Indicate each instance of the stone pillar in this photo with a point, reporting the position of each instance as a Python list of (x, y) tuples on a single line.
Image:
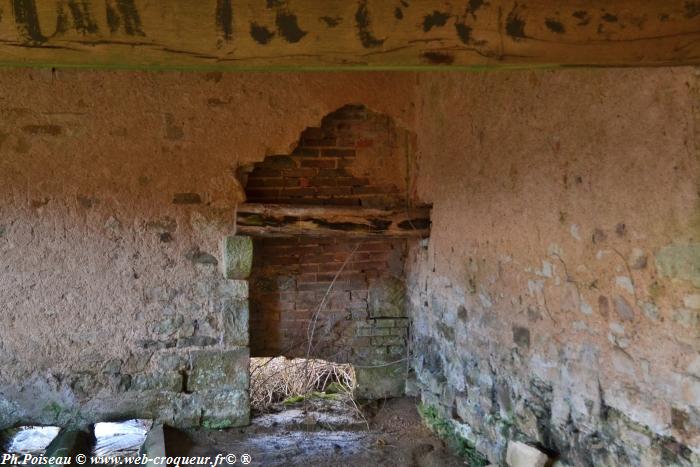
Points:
[(380, 370), (202, 378), (236, 256), (222, 376)]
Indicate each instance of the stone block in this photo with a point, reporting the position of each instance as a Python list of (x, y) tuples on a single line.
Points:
[(154, 445), (521, 455), (234, 289), (187, 329), (197, 341), (237, 256), (623, 308), (401, 332), (171, 360), (67, 444), (219, 369), (225, 409), (692, 301), (9, 413), (385, 323), (169, 325), (387, 298), (680, 261), (163, 381), (387, 340), (182, 411), (116, 382), (379, 382), (687, 318), (234, 316), (527, 421)]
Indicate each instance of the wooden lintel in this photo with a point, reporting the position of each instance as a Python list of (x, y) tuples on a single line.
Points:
[(340, 34), (268, 220)]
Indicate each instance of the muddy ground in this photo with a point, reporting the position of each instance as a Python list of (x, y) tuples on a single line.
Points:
[(325, 433)]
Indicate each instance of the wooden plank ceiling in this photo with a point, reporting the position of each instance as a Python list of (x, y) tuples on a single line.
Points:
[(348, 34)]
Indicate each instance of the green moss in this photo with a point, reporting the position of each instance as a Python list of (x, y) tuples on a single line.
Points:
[(502, 424), (324, 395), (293, 400), (445, 430), (312, 395), (55, 411), (336, 388)]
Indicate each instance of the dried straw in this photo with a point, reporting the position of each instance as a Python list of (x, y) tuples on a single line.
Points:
[(274, 380)]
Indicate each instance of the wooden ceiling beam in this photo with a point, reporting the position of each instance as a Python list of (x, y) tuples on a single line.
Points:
[(277, 220), (232, 35)]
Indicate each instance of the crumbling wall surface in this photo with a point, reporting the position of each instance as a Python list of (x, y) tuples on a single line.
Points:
[(116, 190), (335, 297), (557, 301)]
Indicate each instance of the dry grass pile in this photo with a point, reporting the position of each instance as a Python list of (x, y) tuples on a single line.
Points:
[(274, 380)]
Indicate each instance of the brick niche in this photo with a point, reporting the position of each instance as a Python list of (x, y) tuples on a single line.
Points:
[(355, 158)]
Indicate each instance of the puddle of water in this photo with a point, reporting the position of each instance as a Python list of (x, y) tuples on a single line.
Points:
[(28, 439), (294, 417), (120, 438), (320, 444), (328, 413)]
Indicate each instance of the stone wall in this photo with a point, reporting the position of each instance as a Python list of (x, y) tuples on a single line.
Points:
[(362, 319), (116, 191), (556, 302), (290, 279)]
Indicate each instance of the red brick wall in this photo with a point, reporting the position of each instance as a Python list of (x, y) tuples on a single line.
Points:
[(290, 278), (355, 158)]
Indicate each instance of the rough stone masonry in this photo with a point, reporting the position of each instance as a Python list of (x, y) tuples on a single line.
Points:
[(555, 303)]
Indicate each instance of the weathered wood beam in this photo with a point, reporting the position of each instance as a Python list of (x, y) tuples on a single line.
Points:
[(341, 34), (270, 220)]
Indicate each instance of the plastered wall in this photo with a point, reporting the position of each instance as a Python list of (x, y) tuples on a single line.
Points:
[(116, 190), (556, 301)]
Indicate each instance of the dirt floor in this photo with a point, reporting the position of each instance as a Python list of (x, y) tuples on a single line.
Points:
[(325, 433)]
